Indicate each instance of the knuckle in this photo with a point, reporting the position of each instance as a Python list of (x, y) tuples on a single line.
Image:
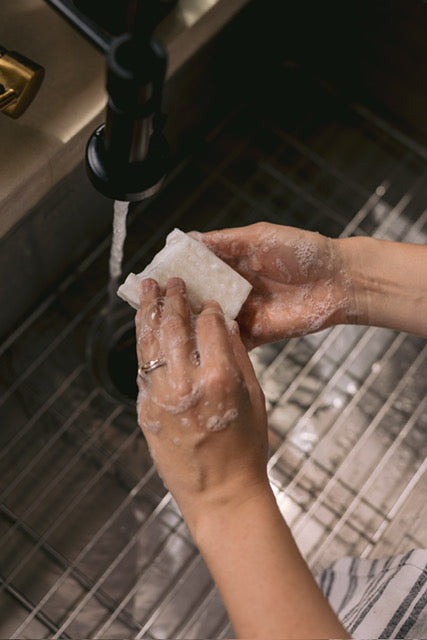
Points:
[(146, 410), (261, 226), (221, 379), (173, 323), (181, 388), (147, 338)]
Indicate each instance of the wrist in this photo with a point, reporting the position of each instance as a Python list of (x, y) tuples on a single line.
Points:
[(252, 557), (362, 288), (386, 283), (215, 514)]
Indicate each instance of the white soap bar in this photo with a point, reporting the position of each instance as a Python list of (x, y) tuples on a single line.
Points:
[(206, 276)]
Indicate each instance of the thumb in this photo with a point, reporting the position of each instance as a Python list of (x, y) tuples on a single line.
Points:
[(242, 357), (226, 242)]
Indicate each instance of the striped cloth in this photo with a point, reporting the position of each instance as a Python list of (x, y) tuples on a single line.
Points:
[(379, 598)]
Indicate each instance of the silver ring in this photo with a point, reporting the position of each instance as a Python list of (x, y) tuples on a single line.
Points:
[(151, 365)]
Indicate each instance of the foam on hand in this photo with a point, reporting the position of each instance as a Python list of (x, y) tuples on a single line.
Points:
[(206, 276)]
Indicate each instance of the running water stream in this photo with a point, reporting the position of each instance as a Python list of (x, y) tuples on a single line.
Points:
[(116, 254), (111, 346), (116, 355)]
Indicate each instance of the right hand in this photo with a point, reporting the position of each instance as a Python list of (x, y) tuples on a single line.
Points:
[(299, 284), (203, 413)]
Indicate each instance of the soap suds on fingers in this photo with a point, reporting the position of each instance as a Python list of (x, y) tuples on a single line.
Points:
[(153, 426), (154, 313), (219, 422), (182, 404), (195, 358)]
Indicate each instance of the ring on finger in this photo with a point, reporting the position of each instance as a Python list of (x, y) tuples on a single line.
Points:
[(151, 365)]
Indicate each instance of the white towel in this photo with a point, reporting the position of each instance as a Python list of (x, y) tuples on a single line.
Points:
[(384, 598)]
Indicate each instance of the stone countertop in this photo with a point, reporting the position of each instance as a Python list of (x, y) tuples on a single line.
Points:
[(48, 141)]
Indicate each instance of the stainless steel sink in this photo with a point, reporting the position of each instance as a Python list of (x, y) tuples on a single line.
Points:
[(92, 544)]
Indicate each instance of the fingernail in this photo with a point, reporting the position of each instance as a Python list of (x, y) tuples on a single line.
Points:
[(204, 305), (212, 304), (175, 282), (147, 285), (196, 235)]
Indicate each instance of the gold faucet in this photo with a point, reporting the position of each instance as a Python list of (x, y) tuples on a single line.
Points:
[(20, 79)]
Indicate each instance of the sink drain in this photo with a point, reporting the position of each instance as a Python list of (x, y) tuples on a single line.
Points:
[(111, 351)]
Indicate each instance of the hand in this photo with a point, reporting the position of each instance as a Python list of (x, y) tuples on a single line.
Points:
[(299, 284), (204, 418), (203, 413)]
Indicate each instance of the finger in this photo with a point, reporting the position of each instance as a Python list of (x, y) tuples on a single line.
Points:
[(241, 354), (148, 321), (246, 368), (251, 323), (213, 339), (229, 243), (176, 298), (176, 335)]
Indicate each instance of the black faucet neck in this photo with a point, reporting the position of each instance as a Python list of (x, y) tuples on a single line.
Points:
[(127, 157)]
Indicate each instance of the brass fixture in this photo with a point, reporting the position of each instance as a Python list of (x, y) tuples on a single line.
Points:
[(20, 79)]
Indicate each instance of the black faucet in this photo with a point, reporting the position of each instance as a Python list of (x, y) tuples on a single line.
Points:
[(128, 156)]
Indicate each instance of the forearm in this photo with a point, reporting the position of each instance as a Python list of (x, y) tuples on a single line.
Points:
[(388, 282), (267, 587)]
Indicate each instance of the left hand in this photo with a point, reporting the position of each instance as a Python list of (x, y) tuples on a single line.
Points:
[(299, 280), (202, 413)]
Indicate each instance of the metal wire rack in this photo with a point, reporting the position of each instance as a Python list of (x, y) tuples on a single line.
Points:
[(92, 544)]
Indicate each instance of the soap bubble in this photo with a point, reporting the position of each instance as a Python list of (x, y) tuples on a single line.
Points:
[(195, 358), (153, 314)]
